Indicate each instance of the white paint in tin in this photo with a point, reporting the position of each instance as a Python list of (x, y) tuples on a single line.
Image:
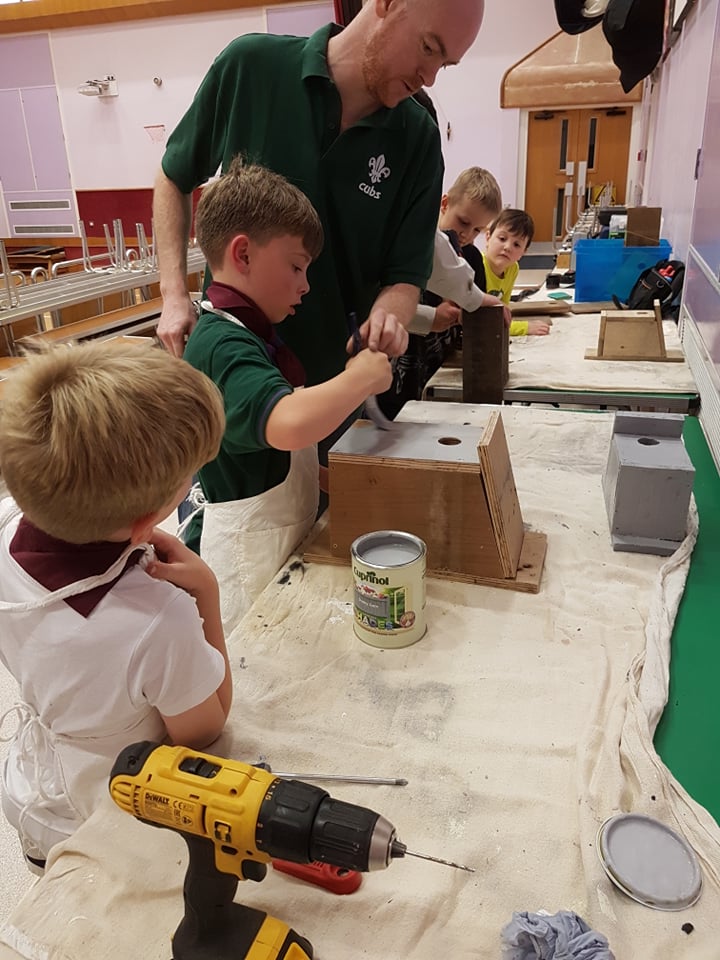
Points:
[(389, 588)]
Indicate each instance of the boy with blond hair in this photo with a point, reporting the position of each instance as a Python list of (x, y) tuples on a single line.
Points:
[(259, 496), (507, 239), (109, 641), (471, 203)]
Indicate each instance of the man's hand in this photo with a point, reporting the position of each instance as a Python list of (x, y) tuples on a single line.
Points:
[(176, 322), (178, 565), (446, 315), (382, 331)]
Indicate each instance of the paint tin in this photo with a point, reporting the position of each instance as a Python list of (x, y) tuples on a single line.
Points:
[(389, 588)]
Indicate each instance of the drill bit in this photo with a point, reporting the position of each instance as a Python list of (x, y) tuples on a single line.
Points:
[(447, 863), (398, 849)]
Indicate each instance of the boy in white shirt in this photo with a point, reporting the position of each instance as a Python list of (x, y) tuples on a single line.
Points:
[(110, 642)]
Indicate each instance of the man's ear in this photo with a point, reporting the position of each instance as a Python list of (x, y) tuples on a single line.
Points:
[(239, 252), (382, 7)]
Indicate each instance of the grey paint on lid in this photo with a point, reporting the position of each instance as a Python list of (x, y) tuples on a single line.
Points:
[(649, 862)]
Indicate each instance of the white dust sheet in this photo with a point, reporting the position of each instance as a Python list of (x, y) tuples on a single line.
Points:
[(557, 362), (521, 722)]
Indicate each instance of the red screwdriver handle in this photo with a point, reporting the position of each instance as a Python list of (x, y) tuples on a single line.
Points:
[(338, 880)]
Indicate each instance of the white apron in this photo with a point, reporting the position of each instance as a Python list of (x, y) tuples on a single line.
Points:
[(34, 794), (246, 542)]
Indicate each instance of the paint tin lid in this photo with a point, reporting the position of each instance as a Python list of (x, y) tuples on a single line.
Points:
[(649, 862), (384, 549)]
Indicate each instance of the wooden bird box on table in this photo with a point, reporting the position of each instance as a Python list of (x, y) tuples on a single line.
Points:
[(439, 483), (484, 355), (647, 483), (633, 335)]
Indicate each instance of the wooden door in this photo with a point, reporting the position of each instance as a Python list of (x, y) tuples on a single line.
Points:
[(572, 157)]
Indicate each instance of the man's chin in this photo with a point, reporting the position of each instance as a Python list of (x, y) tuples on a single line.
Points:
[(392, 94)]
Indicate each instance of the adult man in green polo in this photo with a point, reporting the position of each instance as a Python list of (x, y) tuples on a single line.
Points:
[(332, 114)]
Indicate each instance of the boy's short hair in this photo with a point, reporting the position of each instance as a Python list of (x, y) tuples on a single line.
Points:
[(96, 436), (477, 185), (253, 200), (518, 222)]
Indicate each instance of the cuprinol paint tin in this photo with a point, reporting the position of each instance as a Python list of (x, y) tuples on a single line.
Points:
[(389, 588)]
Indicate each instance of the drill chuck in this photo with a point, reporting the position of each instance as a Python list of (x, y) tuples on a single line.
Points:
[(297, 818)]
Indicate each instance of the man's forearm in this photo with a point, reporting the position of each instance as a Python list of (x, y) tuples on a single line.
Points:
[(172, 214), (400, 299)]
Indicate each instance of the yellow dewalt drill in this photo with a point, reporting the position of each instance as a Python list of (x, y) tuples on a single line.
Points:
[(235, 818)]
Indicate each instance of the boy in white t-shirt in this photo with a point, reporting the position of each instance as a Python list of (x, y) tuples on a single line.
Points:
[(109, 642)]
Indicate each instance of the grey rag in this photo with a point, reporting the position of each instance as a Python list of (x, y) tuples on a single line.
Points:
[(563, 936)]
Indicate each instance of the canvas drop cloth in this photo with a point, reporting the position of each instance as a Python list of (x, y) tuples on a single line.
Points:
[(557, 362), (520, 721)]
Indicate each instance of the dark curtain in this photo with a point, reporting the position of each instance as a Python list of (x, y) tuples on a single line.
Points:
[(345, 10)]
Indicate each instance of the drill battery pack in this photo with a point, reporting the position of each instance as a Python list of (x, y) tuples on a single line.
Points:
[(242, 932)]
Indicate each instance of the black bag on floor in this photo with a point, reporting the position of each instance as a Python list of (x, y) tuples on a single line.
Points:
[(661, 282)]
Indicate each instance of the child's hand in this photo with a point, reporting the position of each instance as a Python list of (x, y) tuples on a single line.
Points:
[(491, 301), (538, 328), (447, 315), (374, 368), (177, 564)]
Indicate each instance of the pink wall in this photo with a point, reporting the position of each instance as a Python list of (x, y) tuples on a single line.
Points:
[(109, 146), (678, 113), (468, 96)]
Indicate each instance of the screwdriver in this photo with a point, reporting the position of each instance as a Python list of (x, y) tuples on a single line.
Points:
[(386, 781)]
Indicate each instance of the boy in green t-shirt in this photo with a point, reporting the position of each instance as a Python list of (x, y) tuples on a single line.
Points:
[(259, 234), (507, 239)]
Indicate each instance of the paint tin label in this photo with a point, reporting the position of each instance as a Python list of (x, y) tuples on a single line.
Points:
[(389, 588)]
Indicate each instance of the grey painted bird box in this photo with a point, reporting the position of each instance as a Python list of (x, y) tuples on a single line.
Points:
[(647, 483)]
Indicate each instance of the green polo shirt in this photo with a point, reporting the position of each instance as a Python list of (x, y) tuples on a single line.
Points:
[(236, 360), (376, 185)]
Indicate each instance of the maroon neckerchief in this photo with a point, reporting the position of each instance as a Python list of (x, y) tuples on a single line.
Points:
[(55, 563), (248, 313)]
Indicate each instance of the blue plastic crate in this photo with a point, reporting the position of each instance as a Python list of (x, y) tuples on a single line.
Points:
[(607, 267)]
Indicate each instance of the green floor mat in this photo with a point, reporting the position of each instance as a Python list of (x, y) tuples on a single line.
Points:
[(688, 735)]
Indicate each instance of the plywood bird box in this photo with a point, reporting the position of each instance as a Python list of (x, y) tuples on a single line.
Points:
[(633, 335), (647, 483), (448, 485)]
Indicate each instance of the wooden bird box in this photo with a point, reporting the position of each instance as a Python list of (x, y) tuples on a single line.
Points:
[(633, 335), (647, 483), (485, 355), (445, 484)]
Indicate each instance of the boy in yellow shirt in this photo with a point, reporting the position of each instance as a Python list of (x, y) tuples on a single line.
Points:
[(507, 239)]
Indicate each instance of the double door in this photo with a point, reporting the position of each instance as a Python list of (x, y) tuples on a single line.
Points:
[(574, 158)]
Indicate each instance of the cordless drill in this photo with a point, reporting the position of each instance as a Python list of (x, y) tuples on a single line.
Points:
[(235, 818)]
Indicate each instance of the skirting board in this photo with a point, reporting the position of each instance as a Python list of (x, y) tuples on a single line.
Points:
[(526, 580)]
